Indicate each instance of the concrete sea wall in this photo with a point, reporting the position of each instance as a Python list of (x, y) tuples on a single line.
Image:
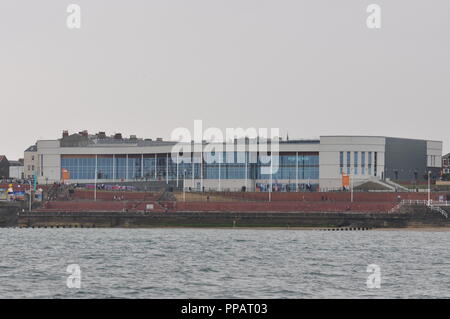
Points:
[(411, 216), (9, 215)]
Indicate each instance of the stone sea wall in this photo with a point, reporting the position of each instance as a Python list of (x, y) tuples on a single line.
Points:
[(408, 216)]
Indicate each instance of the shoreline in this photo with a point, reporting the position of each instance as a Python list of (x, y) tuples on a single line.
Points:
[(408, 218), (336, 229)]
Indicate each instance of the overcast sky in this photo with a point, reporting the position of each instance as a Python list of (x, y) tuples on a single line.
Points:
[(308, 67)]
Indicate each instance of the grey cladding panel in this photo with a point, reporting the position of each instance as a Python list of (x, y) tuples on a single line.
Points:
[(404, 157)]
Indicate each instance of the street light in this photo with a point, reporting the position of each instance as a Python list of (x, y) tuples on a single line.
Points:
[(271, 177), (95, 180), (31, 195), (351, 187), (184, 185), (429, 188)]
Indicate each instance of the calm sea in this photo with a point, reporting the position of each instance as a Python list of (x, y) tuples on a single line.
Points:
[(223, 263)]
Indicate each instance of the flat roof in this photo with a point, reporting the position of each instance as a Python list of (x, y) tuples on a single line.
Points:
[(380, 136)]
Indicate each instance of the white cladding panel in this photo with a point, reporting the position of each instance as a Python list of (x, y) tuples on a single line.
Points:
[(329, 158), (30, 163), (16, 172), (116, 149), (49, 163), (49, 168), (434, 154)]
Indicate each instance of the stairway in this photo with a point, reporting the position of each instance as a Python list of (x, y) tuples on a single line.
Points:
[(439, 210), (396, 186), (382, 183)]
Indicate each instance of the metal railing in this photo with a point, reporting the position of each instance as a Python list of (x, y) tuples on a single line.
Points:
[(433, 205), (413, 202), (425, 202), (439, 210)]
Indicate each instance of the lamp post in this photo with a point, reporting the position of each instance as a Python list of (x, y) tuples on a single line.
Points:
[(271, 177), (95, 180), (351, 187), (31, 196), (429, 188), (184, 185)]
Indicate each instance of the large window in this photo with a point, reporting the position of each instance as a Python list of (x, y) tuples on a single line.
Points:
[(162, 167), (120, 167), (149, 167), (356, 162), (348, 162), (363, 163), (375, 164), (104, 167), (233, 165), (79, 167), (292, 167), (134, 166)]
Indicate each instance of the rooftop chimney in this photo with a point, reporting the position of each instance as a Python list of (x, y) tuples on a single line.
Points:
[(65, 133), (118, 136), (83, 133), (101, 135)]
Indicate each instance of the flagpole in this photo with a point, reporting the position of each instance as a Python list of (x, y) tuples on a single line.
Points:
[(95, 183), (271, 173)]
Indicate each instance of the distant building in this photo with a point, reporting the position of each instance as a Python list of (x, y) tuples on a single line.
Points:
[(446, 164), (30, 161), (303, 164), (16, 169), (4, 167)]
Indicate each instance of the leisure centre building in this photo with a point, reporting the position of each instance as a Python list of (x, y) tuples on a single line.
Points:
[(313, 164)]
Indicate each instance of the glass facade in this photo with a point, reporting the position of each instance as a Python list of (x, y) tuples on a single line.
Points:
[(79, 167), (290, 167), (104, 169), (232, 165), (120, 167), (149, 163)]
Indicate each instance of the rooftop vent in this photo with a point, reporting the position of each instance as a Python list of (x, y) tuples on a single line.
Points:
[(159, 139), (133, 137)]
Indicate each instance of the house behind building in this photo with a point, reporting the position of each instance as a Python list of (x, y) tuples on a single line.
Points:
[(4, 167)]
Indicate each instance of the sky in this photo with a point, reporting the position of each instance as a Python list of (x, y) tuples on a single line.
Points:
[(146, 67)]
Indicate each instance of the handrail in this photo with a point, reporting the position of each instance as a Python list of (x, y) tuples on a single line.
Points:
[(425, 202), (439, 210), (433, 205)]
